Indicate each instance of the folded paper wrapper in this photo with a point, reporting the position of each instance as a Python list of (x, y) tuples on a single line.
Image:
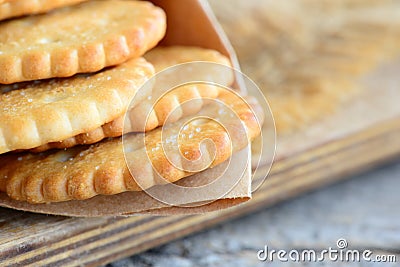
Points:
[(192, 23)]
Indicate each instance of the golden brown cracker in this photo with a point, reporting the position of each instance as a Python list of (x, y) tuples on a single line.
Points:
[(82, 38), (161, 58), (15, 8), (83, 172), (37, 113)]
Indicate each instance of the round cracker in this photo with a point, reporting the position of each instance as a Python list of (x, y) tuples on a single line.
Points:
[(161, 58), (81, 38), (86, 171), (48, 111), (15, 8)]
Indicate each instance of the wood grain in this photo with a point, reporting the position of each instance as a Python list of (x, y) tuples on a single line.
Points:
[(307, 55)]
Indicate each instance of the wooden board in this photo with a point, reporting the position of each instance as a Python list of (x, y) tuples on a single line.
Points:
[(362, 134)]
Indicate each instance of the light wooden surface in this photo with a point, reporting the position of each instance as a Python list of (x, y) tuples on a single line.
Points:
[(324, 152)]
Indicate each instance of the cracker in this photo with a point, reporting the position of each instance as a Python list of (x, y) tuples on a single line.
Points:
[(161, 58), (15, 8), (83, 172), (37, 113), (156, 118), (167, 56), (82, 38)]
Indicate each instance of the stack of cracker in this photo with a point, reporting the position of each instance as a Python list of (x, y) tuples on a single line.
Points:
[(69, 71)]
